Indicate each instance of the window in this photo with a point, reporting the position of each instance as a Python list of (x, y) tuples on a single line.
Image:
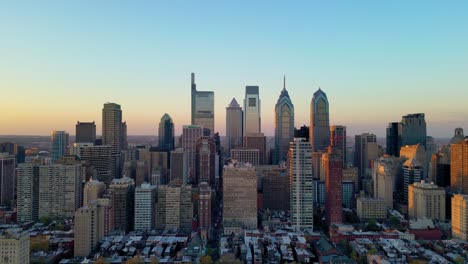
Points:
[(252, 102)]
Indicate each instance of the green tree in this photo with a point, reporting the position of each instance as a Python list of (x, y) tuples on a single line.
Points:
[(372, 251), (459, 260)]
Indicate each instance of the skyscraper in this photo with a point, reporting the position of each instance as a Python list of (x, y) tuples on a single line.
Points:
[(319, 121), (426, 200), (284, 125), (112, 126), (189, 138), (366, 150), (460, 216), (174, 208), (301, 184), (394, 139), (104, 160), (205, 160), (166, 133), (123, 191), (204, 209), (7, 179), (124, 140), (59, 144), (145, 207), (385, 176), (179, 167), (202, 108), (413, 130), (413, 172), (257, 141), (338, 141), (28, 192), (459, 167), (333, 186), (252, 119), (85, 132), (234, 116)]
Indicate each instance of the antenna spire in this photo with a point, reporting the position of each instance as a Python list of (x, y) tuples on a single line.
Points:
[(284, 82)]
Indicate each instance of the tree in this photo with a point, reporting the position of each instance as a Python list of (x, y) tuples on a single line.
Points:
[(372, 226), (206, 260), (459, 260), (372, 251)]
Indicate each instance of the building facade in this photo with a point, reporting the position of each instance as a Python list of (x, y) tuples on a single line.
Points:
[(338, 141), (284, 125), (123, 191), (333, 186), (252, 117), (319, 121), (7, 179), (59, 141), (202, 108), (205, 160), (460, 216), (190, 136), (426, 200), (85, 132), (14, 246), (145, 207), (166, 135), (459, 167), (234, 125)]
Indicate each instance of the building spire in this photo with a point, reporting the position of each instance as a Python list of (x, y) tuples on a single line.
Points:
[(284, 83)]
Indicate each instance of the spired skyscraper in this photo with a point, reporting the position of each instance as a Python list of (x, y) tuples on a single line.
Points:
[(202, 108), (234, 125), (284, 125), (319, 121), (166, 133), (252, 119)]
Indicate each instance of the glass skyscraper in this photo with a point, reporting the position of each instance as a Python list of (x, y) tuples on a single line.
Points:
[(284, 125), (166, 133), (319, 121), (202, 108), (252, 119)]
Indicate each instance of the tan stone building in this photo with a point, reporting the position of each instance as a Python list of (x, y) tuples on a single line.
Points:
[(371, 208), (174, 208), (460, 216), (14, 247), (384, 175), (426, 200), (92, 191)]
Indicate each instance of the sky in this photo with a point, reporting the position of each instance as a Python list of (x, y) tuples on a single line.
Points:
[(60, 61)]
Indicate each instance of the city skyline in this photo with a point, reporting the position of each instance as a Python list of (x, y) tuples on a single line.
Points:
[(62, 61)]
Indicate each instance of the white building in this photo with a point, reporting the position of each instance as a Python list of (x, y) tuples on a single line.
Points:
[(145, 207)]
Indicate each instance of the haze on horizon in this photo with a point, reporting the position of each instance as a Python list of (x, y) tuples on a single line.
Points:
[(61, 61)]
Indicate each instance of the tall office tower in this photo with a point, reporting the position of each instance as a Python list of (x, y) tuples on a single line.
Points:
[(123, 191), (366, 150), (189, 138), (14, 149), (246, 155), (413, 130), (439, 169), (174, 208), (458, 136), (394, 139), (426, 200), (90, 226), (124, 140), (302, 132), (204, 209), (202, 108), (333, 186), (234, 116), (93, 190), (104, 160), (112, 126), (179, 167), (59, 144), (205, 160), (419, 165), (319, 121), (85, 132), (338, 141), (301, 184), (252, 118), (28, 192), (141, 174), (317, 165), (352, 174), (145, 207), (459, 167), (276, 189), (284, 125), (166, 133), (257, 141), (14, 246), (413, 171), (7, 179), (239, 198), (385, 177), (460, 216)]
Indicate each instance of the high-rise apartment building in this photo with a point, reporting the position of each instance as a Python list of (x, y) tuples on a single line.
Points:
[(145, 207), (338, 141), (459, 167), (189, 139), (7, 179), (252, 118), (103, 159), (174, 209), (123, 191), (385, 176), (28, 192), (246, 155), (85, 132), (93, 190), (301, 184), (257, 141), (426, 200), (14, 246), (460, 216), (205, 160), (333, 165), (239, 198), (166, 133), (234, 126), (59, 141), (202, 108), (319, 121), (179, 167), (284, 125), (204, 209), (413, 130), (112, 126)]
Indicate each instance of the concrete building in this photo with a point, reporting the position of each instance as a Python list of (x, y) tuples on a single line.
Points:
[(7, 179), (385, 176), (459, 167), (371, 208), (189, 138), (14, 246), (301, 184), (257, 141), (145, 207), (59, 141), (460, 216), (319, 121), (246, 155), (426, 200), (205, 166), (204, 210), (166, 135), (85, 132), (276, 189), (234, 125), (104, 160), (333, 186), (252, 117), (202, 108), (123, 191), (179, 167), (338, 141), (239, 198), (284, 125), (174, 208), (93, 190), (28, 192)]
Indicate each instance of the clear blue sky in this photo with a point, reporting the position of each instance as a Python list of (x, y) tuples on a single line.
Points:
[(61, 60)]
